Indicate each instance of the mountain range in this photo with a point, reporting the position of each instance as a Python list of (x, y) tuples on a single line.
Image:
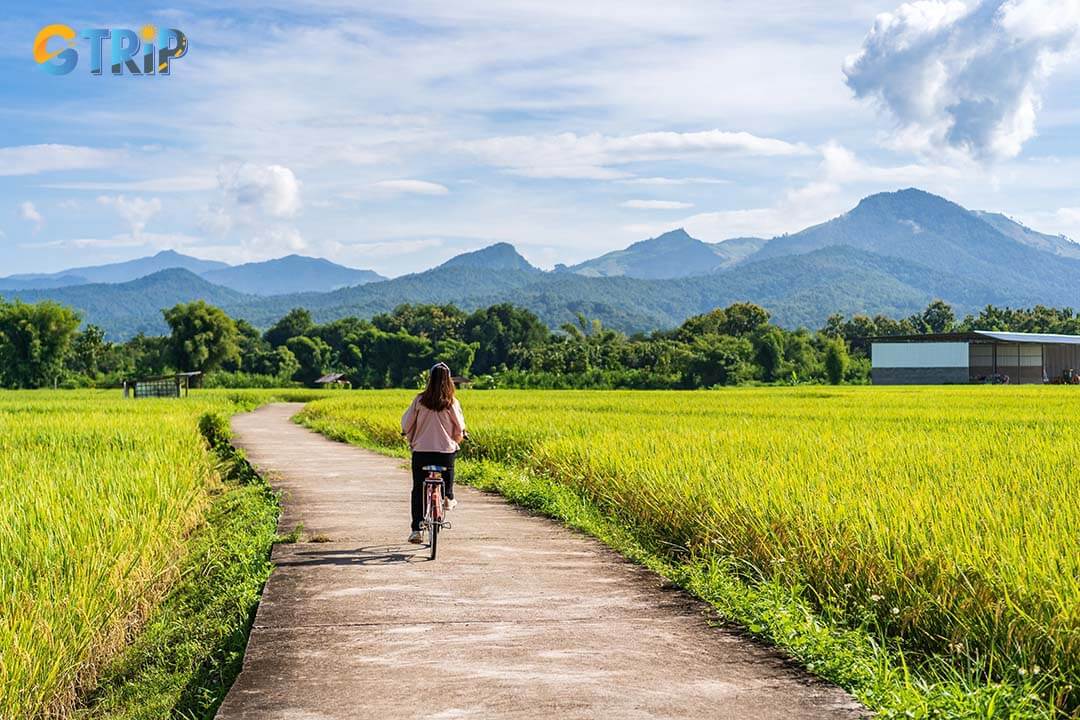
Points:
[(891, 254), (671, 255), (289, 274)]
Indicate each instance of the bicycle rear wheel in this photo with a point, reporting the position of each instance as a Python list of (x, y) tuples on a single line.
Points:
[(434, 503)]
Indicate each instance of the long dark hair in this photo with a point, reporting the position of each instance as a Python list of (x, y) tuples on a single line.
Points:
[(439, 393)]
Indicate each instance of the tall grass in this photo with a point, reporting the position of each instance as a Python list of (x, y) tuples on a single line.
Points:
[(946, 520), (98, 496)]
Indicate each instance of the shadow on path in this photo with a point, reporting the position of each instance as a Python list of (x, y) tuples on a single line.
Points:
[(371, 555)]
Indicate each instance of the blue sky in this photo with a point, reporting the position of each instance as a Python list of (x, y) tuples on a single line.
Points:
[(395, 137)]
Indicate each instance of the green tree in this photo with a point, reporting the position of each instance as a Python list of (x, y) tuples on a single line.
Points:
[(499, 330), (455, 353), (296, 322), (801, 356), (719, 360), (836, 361), (711, 323), (34, 339), (743, 319), (434, 322), (147, 355), (279, 362), (768, 343), (203, 336), (251, 344), (87, 351), (312, 356), (834, 326), (938, 317)]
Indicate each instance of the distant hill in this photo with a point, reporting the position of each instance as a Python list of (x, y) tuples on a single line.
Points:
[(126, 309), (17, 283), (118, 272), (803, 290), (671, 255), (799, 290), (500, 256), (1056, 244), (928, 230), (891, 254), (290, 274)]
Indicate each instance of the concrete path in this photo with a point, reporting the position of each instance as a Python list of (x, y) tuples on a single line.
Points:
[(518, 618)]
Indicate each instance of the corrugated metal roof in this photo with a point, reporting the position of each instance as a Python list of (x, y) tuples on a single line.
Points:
[(1042, 338)]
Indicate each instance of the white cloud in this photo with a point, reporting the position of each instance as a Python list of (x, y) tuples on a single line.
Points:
[(361, 253), (181, 183), (656, 204), (269, 189), (137, 211), (34, 159), (568, 155), (1064, 221), (965, 76), (216, 220), (674, 181), (791, 214), (265, 242), (28, 212), (162, 241), (411, 187), (840, 166), (277, 239), (252, 195)]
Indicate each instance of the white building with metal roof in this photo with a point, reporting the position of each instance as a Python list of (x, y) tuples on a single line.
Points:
[(981, 356)]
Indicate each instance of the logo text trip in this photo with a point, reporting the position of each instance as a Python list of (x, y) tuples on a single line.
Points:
[(147, 52)]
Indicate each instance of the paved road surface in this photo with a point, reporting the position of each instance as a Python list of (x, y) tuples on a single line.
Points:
[(518, 618)]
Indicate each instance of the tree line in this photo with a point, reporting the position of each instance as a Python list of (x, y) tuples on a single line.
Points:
[(41, 345)]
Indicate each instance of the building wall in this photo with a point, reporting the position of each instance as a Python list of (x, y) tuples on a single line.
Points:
[(1060, 358), (920, 355), (920, 376), (930, 363)]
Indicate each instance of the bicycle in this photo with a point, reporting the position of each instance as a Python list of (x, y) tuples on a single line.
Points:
[(434, 513)]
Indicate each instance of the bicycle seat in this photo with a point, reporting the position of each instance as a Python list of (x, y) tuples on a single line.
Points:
[(434, 468)]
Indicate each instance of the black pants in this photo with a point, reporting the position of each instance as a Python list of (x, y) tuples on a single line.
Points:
[(419, 460)]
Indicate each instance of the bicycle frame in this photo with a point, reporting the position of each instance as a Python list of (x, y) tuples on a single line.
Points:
[(434, 514)]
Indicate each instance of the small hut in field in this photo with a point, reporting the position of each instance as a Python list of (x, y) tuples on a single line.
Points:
[(334, 381)]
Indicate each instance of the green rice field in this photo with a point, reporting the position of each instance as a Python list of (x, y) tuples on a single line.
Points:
[(98, 496), (943, 522), (938, 526)]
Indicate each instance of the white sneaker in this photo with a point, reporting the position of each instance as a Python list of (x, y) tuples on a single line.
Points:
[(449, 503), (416, 538)]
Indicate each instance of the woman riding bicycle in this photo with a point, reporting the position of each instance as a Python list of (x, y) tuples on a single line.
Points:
[(435, 428)]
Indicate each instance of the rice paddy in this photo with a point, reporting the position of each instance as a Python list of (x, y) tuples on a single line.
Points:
[(97, 498), (944, 520)]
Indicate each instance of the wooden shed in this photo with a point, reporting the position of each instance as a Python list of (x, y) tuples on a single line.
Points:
[(175, 385)]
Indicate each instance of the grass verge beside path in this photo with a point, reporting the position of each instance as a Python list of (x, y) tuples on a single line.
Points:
[(187, 655), (861, 659), (122, 551)]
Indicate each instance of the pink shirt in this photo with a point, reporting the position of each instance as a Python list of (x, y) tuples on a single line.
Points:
[(431, 431)]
